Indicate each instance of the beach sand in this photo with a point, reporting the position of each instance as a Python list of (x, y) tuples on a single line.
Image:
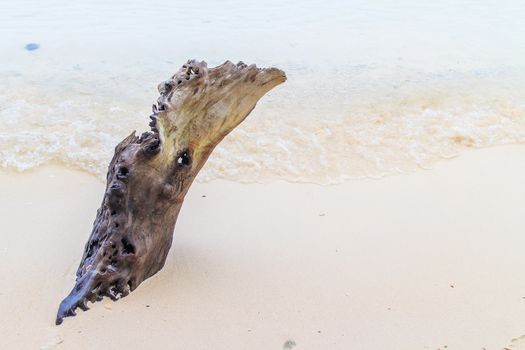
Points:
[(428, 260)]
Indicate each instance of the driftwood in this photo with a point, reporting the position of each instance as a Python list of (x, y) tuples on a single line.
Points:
[(149, 176)]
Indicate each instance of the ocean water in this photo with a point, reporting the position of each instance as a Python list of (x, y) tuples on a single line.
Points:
[(374, 87)]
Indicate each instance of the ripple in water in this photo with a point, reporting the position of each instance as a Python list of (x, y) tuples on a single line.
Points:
[(344, 142)]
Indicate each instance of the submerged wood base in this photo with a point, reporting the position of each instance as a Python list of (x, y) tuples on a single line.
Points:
[(149, 176)]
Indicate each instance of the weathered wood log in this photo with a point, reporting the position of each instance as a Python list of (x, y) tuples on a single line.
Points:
[(149, 176)]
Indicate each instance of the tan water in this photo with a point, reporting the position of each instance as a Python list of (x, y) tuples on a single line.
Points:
[(375, 87)]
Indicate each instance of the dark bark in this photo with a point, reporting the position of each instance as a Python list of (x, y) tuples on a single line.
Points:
[(149, 176)]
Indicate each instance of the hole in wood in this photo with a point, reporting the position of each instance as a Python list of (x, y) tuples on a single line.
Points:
[(184, 159), (129, 248)]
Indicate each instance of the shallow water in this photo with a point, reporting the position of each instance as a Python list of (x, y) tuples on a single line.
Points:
[(374, 87)]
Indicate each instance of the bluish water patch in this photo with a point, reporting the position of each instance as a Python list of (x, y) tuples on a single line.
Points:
[(32, 46)]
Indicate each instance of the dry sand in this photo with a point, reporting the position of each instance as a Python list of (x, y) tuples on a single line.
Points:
[(427, 260)]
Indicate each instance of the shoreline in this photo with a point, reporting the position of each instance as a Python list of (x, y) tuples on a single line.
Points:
[(421, 260), (419, 168)]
